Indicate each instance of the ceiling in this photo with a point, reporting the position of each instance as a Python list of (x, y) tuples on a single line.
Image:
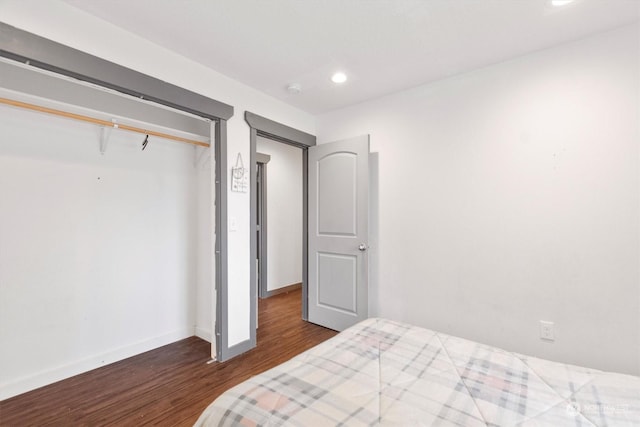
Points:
[(384, 46)]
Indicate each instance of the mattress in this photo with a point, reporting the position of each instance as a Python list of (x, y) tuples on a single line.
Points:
[(382, 372)]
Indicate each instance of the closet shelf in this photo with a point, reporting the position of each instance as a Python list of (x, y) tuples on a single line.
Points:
[(99, 122)]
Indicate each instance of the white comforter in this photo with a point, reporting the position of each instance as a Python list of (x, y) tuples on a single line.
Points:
[(382, 372)]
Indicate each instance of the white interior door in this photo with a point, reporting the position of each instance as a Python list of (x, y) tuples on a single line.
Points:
[(339, 232)]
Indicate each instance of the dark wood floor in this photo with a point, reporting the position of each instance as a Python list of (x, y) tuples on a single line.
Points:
[(168, 386)]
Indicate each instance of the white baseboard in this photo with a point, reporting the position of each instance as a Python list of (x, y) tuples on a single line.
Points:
[(49, 376), (203, 333), (283, 289)]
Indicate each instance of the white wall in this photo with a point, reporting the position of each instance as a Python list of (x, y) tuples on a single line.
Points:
[(284, 213), (509, 195), (62, 23), (97, 252)]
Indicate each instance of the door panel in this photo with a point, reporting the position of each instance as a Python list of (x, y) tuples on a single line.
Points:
[(337, 186), (336, 282), (338, 232)]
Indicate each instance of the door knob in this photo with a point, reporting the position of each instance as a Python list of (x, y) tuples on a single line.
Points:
[(362, 247)]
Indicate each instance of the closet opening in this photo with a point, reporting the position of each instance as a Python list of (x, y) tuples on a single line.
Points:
[(110, 176)]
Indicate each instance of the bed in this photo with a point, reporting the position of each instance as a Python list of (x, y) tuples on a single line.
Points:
[(382, 372)]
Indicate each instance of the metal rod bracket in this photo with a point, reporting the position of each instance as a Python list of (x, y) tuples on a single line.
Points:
[(105, 133)]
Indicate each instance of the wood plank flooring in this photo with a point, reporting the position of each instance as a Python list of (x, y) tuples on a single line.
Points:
[(168, 386)]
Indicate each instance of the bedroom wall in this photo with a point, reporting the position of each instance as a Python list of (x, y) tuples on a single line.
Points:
[(98, 253), (284, 213), (510, 195), (61, 22)]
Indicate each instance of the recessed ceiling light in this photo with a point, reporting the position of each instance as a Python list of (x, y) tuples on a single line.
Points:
[(560, 3), (339, 77)]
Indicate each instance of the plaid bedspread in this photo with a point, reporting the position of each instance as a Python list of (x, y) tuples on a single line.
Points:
[(382, 372)]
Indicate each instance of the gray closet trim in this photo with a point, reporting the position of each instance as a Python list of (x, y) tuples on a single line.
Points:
[(253, 244), (261, 126), (42, 53), (221, 246), (33, 82)]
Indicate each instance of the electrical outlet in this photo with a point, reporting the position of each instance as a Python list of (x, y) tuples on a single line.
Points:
[(546, 331)]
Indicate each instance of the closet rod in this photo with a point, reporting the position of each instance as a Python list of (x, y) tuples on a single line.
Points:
[(100, 122)]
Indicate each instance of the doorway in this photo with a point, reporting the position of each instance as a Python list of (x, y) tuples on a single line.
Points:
[(279, 208), (261, 126)]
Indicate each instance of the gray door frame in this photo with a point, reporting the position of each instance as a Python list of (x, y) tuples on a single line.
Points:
[(39, 52), (261, 126), (261, 216)]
